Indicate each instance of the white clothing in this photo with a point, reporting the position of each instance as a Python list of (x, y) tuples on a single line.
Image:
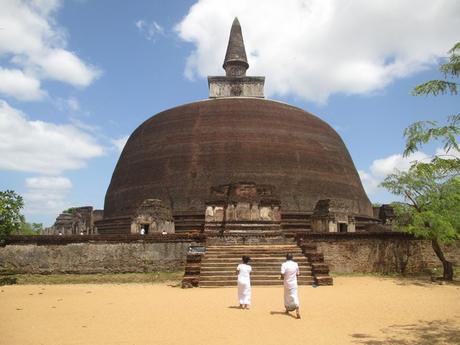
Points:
[(291, 298), (244, 284), (290, 270)]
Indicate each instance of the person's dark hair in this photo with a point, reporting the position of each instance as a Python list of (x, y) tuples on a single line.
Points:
[(289, 256), (246, 259)]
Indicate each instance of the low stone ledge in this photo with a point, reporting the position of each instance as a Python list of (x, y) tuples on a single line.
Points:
[(95, 239), (334, 236)]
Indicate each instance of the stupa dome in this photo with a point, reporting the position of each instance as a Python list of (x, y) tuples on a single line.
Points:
[(179, 154)]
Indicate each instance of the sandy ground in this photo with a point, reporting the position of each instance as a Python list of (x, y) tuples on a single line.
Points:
[(356, 310)]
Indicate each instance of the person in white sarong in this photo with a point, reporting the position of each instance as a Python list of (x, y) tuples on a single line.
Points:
[(289, 273), (244, 283)]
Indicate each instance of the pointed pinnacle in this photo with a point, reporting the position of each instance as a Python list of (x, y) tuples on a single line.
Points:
[(235, 50)]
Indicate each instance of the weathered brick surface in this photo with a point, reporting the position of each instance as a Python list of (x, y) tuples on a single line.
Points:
[(179, 154), (383, 255), (358, 252), (93, 257)]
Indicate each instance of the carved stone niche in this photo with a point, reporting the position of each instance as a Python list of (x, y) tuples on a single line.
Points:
[(333, 215), (241, 204), (152, 216)]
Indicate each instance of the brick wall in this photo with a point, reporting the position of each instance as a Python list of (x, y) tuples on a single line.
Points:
[(74, 254), (344, 252), (379, 252)]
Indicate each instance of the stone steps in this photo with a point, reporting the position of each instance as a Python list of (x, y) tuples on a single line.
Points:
[(254, 259), (255, 252), (184, 222), (319, 268), (232, 265), (218, 265), (254, 277), (271, 282), (254, 273), (113, 226)]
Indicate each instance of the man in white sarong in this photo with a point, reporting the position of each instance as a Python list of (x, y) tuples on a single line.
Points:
[(244, 283), (289, 273)]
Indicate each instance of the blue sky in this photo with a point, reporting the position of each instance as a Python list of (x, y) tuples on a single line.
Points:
[(79, 76)]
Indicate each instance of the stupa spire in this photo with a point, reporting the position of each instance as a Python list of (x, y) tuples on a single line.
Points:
[(235, 83), (236, 62)]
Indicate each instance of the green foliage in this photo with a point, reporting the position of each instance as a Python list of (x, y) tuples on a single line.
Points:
[(11, 219), (436, 87), (422, 132), (450, 69), (30, 228), (432, 195), (71, 210), (432, 190)]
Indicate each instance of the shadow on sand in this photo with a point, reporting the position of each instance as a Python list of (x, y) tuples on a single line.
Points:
[(423, 281), (283, 313), (436, 332)]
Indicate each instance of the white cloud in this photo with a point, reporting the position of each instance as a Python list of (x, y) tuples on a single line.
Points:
[(46, 195), (70, 104), (370, 183), (31, 40), (150, 30), (382, 167), (73, 104), (389, 165), (62, 65), (49, 182), (120, 142), (14, 83), (453, 153), (43, 147), (315, 48)]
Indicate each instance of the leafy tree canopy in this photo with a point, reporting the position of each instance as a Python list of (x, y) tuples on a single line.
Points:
[(432, 195), (11, 218), (422, 132)]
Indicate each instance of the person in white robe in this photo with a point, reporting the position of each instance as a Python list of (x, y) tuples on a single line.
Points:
[(289, 273), (244, 283)]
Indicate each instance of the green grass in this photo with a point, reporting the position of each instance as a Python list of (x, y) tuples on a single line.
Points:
[(115, 278)]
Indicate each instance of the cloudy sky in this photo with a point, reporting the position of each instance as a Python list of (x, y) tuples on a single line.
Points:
[(78, 76)]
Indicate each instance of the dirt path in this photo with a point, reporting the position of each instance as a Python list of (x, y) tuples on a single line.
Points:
[(356, 310)]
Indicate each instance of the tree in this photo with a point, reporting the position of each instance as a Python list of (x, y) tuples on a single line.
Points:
[(30, 229), (10, 217), (432, 190), (432, 204), (422, 132)]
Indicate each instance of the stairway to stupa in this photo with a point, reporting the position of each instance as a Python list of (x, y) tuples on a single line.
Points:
[(218, 264)]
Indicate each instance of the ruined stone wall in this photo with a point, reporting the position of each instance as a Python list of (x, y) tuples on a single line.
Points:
[(380, 253), (94, 257), (344, 253)]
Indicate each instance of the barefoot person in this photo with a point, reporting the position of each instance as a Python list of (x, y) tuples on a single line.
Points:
[(244, 283), (289, 273)]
